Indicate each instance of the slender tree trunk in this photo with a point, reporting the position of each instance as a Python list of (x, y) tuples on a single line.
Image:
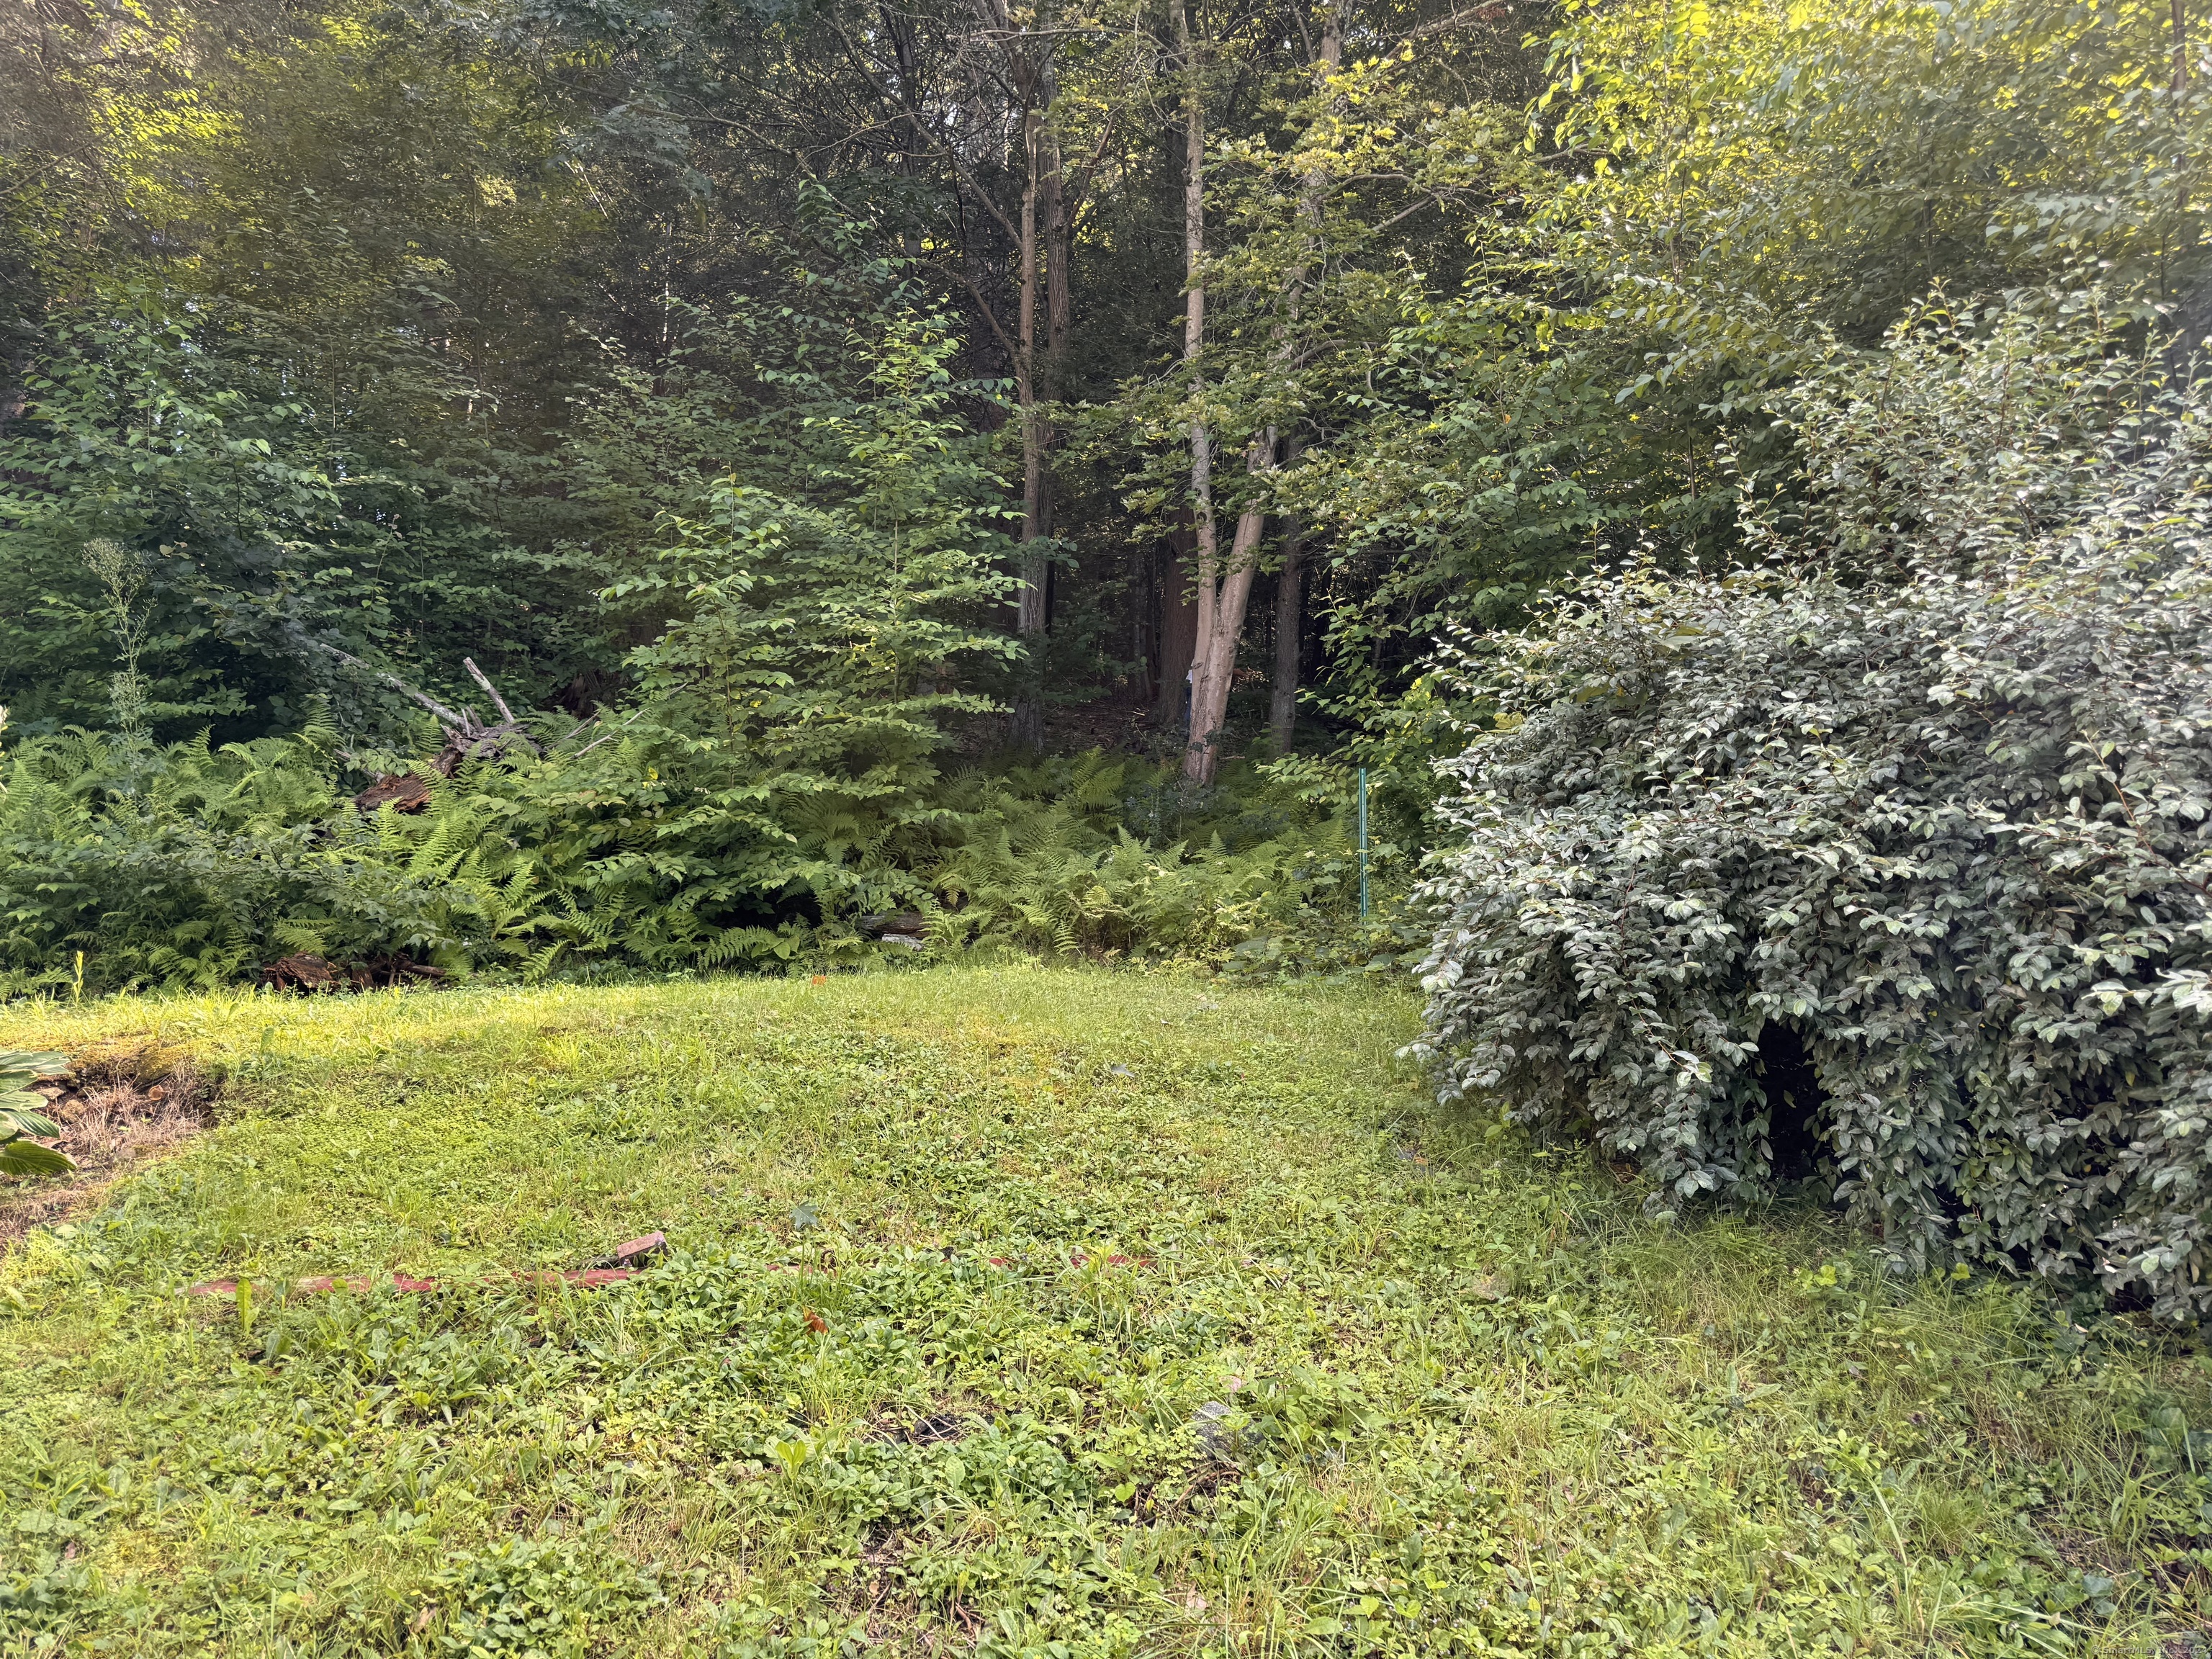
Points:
[(1199, 761), (1029, 625), (1221, 625), (1221, 608), (1058, 235), (1058, 259), (1178, 636), (1282, 705), (1025, 376)]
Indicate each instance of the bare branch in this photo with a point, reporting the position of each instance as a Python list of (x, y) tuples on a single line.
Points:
[(491, 690), (984, 306), (392, 680), (604, 736), (1082, 186)]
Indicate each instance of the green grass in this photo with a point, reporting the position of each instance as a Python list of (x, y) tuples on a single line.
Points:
[(1367, 1377)]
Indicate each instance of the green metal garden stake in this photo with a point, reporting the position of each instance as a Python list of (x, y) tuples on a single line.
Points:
[(1363, 844)]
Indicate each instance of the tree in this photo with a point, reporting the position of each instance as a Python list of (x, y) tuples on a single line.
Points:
[(809, 662), (1315, 274)]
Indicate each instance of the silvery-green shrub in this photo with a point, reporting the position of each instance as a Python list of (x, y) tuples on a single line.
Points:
[(1928, 788)]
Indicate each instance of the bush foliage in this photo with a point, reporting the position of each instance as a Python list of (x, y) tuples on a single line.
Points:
[(1927, 793)]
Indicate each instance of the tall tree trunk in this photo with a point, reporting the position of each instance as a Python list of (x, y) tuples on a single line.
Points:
[(1029, 615), (1059, 260), (1059, 233), (1221, 625), (1282, 705), (1178, 634), (1221, 608), (1201, 739)]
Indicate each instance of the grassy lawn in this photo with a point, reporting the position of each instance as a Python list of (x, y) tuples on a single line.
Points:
[(1029, 1311)]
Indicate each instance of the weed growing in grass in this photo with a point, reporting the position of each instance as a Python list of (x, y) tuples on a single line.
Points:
[(1042, 1311)]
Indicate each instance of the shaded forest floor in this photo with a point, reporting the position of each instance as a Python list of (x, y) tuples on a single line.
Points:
[(1022, 1311)]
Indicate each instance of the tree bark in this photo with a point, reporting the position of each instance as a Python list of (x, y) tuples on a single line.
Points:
[(1177, 639), (1221, 608), (1028, 62), (1045, 220), (1283, 706), (1201, 741), (1059, 234), (1058, 259), (1221, 625)]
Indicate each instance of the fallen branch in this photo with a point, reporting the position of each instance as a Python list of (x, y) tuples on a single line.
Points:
[(491, 690), (392, 680), (466, 738)]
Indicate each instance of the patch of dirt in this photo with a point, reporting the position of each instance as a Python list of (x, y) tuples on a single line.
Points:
[(885, 1610), (120, 1106), (2083, 1551), (1114, 723)]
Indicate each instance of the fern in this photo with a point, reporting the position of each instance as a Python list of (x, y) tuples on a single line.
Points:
[(196, 865)]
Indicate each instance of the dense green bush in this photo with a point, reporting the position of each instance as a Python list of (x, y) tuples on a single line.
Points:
[(1929, 799)]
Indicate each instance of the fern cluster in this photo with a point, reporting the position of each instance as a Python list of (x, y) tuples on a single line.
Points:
[(125, 865), (1057, 859)]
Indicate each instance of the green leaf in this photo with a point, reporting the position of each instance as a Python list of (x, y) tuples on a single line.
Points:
[(28, 1158), (26, 1122), (18, 1067)]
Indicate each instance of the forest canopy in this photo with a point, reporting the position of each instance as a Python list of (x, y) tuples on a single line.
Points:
[(418, 331)]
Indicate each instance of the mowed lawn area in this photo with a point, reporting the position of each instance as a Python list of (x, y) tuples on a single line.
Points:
[(1026, 1312)]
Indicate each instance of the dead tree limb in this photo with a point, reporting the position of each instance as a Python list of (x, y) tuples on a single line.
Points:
[(491, 690), (392, 680), (466, 738)]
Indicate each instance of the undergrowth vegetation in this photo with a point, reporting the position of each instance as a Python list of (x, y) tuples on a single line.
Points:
[(1021, 1312), (785, 765), (126, 865)]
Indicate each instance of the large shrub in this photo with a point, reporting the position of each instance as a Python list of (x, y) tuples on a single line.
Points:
[(1924, 799)]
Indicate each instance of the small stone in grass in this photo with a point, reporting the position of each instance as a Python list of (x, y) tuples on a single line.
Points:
[(1218, 1440)]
